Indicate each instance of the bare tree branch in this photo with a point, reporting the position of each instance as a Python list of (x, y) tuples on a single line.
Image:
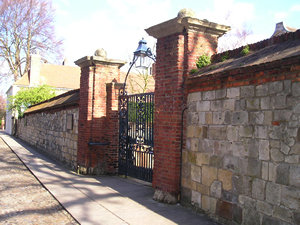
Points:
[(25, 27)]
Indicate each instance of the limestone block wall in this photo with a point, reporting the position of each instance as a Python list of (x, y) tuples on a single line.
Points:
[(53, 132), (241, 159)]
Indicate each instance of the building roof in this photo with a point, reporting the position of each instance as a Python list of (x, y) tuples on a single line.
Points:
[(266, 51), (58, 76), (70, 98)]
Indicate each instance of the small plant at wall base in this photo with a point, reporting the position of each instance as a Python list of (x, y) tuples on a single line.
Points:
[(203, 60), (245, 50), (29, 96), (193, 71)]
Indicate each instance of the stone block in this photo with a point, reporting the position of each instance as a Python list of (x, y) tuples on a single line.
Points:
[(272, 172), (202, 159), (240, 117), (265, 170), (217, 105), (192, 97), (262, 90), (282, 174), (276, 155), (201, 118), (229, 104), (247, 91), (265, 103), (278, 101), (283, 213), (203, 189), (252, 104), (186, 195), (257, 118), (266, 220), (217, 132), (194, 144), (251, 148), (209, 174), (225, 176), (251, 217), (295, 175), (275, 87), (209, 95), (240, 104), (285, 149), (264, 207), (233, 92), (192, 118), (293, 159), (221, 93), (247, 202), (203, 106), (208, 118), (254, 168), (224, 209), (282, 115), (216, 189), (258, 189), (296, 89), (297, 217), (237, 149), (196, 173), (290, 197), (268, 117), (261, 132), (218, 117), (196, 198), (196, 131), (242, 184), (208, 204), (229, 196), (263, 149), (216, 161), (232, 133), (231, 163), (246, 131)]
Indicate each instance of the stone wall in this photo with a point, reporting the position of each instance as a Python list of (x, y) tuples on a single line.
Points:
[(54, 132), (241, 160)]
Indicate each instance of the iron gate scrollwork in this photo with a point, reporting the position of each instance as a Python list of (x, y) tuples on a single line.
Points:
[(136, 157)]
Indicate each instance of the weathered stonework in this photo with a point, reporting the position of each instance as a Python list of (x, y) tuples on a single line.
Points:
[(248, 158), (51, 133)]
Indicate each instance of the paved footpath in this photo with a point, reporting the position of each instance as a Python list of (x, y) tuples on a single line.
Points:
[(90, 200)]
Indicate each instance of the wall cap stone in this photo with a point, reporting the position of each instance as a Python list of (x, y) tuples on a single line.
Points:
[(179, 24), (98, 60)]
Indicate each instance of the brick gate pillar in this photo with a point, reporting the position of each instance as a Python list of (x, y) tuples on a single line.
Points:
[(97, 124), (180, 41)]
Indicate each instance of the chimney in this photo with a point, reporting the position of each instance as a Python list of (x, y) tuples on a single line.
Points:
[(35, 68)]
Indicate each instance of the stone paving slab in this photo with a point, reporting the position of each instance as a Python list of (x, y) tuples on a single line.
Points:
[(23, 200), (105, 199)]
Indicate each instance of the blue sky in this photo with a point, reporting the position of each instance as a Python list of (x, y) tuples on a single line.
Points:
[(118, 25)]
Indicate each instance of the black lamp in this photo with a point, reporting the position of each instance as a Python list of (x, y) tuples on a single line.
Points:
[(140, 58)]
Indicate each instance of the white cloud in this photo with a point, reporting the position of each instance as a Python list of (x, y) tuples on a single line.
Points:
[(295, 8), (116, 28), (280, 16)]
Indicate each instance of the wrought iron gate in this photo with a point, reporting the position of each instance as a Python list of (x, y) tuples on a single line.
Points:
[(136, 157)]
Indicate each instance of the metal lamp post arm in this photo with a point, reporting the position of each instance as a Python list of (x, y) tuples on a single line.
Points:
[(131, 65)]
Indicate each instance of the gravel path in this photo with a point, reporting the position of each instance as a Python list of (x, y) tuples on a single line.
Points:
[(23, 200)]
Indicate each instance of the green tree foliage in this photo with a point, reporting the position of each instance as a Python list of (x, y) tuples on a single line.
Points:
[(29, 96)]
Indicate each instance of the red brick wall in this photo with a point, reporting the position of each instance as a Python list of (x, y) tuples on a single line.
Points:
[(176, 56), (98, 119)]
